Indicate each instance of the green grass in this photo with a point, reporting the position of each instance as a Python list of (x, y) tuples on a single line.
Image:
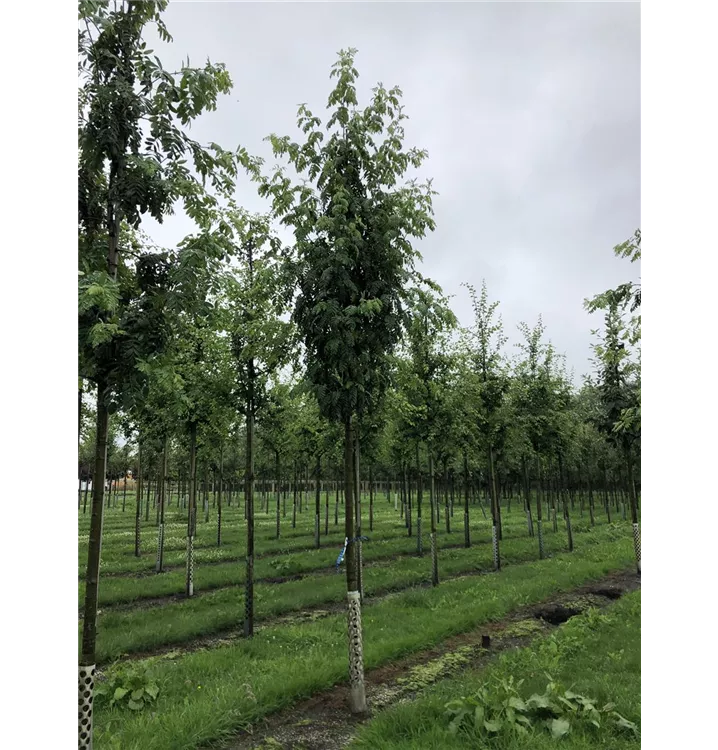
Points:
[(176, 622), (299, 557), (207, 694), (595, 656)]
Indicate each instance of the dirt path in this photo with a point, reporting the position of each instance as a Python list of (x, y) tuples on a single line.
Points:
[(322, 722)]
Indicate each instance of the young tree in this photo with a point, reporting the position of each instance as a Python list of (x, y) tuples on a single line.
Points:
[(532, 396), (131, 161), (425, 386), (486, 340), (619, 371), (352, 228), (260, 346)]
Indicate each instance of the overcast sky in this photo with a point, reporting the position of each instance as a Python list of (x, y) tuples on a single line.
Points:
[(530, 113)]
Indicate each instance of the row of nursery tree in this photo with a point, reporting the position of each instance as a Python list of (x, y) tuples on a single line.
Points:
[(433, 420), (238, 357)]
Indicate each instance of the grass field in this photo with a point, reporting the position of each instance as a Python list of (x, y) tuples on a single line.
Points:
[(213, 683), (594, 655)]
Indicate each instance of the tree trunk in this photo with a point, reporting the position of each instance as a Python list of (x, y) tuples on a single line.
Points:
[(539, 516), (138, 497), (357, 696), (279, 487), (432, 537), (336, 506), (407, 481), (326, 508), (451, 493), (357, 504), (467, 534), (219, 495), (161, 506), (249, 495), (371, 498), (294, 502), (149, 491), (494, 511), (87, 491), (564, 503), (205, 493), (192, 509), (92, 576), (447, 489), (317, 505), (419, 498), (527, 495), (634, 509)]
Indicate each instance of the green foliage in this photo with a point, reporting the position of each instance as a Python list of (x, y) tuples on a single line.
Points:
[(500, 709), (423, 375), (133, 161), (128, 686), (285, 566), (352, 227), (626, 295)]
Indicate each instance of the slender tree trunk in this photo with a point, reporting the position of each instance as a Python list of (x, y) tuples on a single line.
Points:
[(357, 695), (447, 501), (409, 512), (92, 577), (86, 675), (161, 509), (494, 511), (404, 494), (279, 488), (437, 504), (467, 533), (326, 508), (148, 493), (219, 495), (294, 502), (95, 537), (634, 509), (205, 493), (419, 498), (192, 509), (371, 498), (527, 495), (336, 505), (87, 491), (451, 493), (249, 494), (138, 497), (539, 516), (317, 504), (432, 537), (357, 503), (564, 503), (124, 491)]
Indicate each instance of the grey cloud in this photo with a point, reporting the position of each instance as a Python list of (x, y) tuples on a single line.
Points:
[(530, 113)]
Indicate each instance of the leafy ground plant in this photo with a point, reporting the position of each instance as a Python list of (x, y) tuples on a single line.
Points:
[(592, 698), (500, 708), (131, 686)]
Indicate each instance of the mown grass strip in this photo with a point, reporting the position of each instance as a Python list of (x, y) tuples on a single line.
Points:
[(175, 623), (226, 568), (206, 695), (599, 657)]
